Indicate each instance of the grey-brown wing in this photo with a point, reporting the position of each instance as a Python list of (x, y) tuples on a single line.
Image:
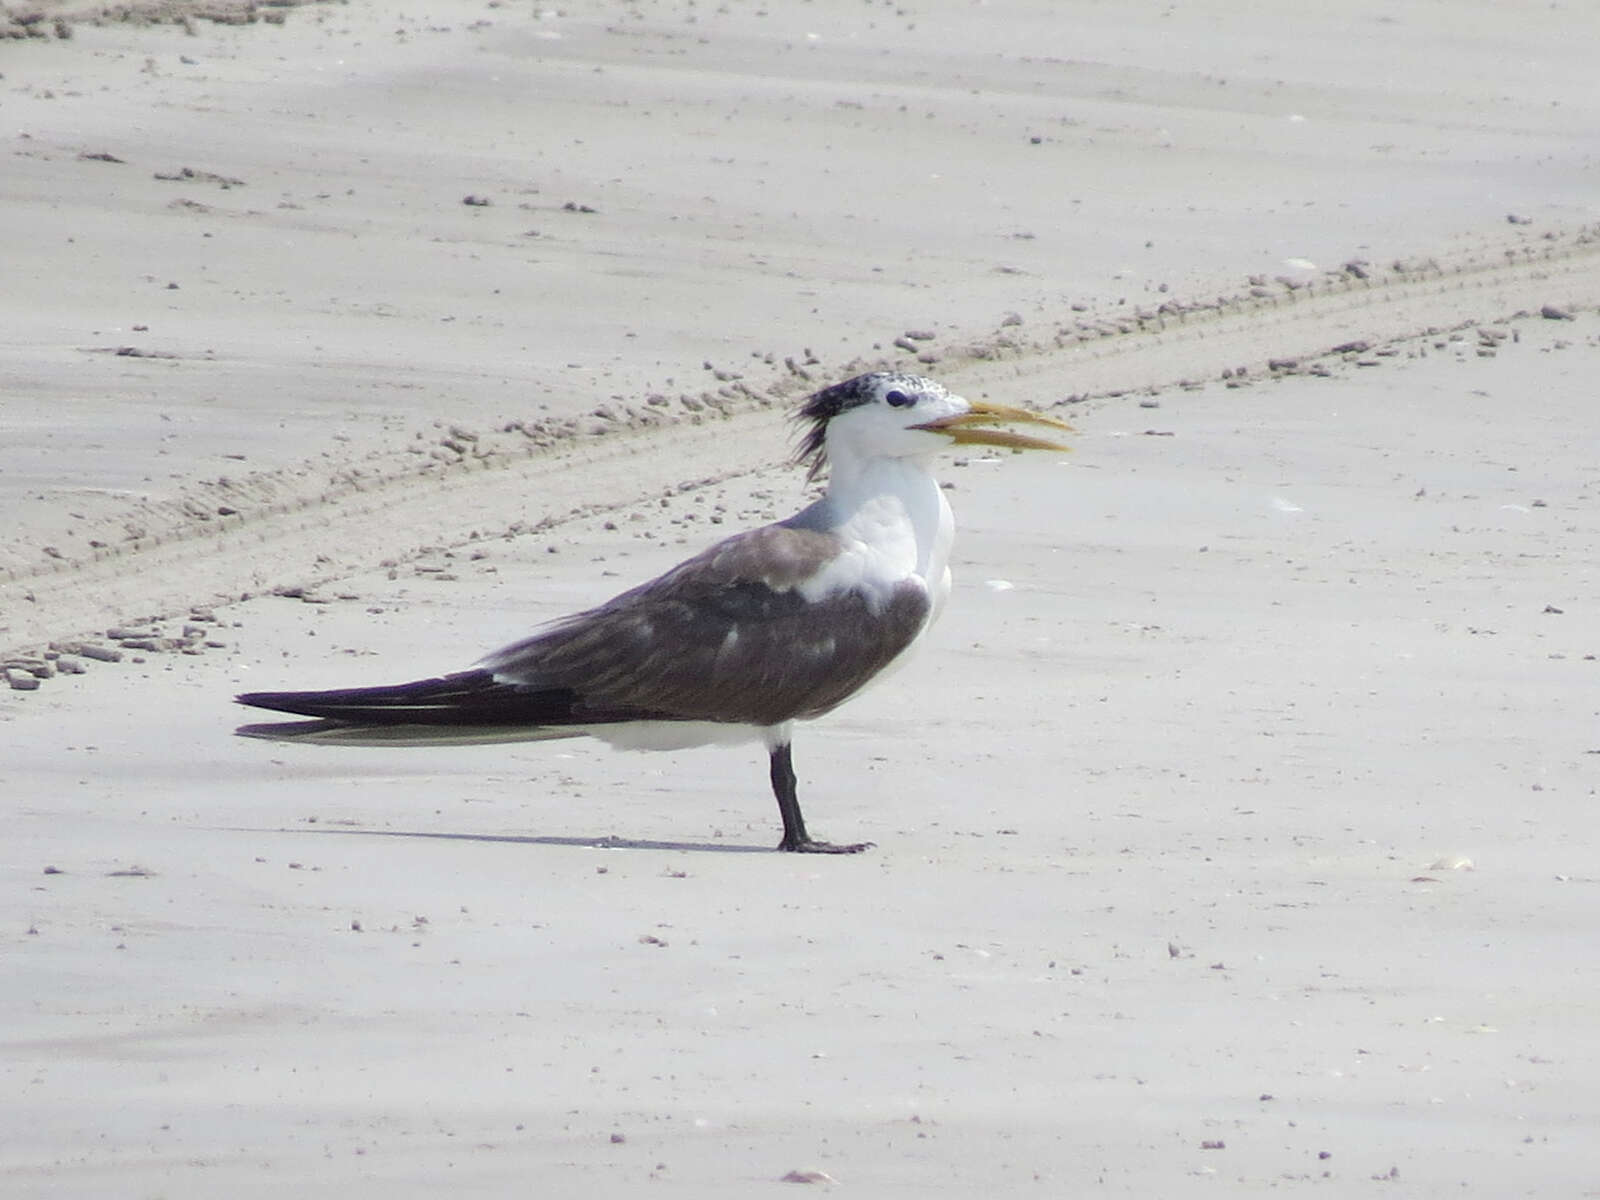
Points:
[(726, 636)]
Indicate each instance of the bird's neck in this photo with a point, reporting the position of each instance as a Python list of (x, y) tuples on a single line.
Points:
[(895, 505)]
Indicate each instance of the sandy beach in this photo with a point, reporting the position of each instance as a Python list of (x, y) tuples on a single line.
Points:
[(1234, 829)]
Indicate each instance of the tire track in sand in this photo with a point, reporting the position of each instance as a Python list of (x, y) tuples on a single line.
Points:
[(306, 534)]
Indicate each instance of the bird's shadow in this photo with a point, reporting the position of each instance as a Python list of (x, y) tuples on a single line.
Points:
[(606, 842)]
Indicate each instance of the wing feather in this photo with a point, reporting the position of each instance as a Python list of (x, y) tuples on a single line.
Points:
[(726, 636)]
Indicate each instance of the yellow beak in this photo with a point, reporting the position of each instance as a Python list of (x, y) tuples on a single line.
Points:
[(968, 428)]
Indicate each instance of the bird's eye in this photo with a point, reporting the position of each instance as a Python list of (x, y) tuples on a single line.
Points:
[(898, 399)]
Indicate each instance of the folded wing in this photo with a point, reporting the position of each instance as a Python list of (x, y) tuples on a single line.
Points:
[(725, 637)]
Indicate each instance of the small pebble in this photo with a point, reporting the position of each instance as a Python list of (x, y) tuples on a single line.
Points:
[(119, 633), (154, 645)]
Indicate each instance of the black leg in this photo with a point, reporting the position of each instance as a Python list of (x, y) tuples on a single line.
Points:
[(794, 825)]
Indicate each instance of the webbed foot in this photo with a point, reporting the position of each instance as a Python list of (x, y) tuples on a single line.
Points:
[(807, 846)]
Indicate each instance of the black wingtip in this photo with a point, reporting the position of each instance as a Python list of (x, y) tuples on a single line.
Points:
[(288, 702), (284, 731), (466, 698)]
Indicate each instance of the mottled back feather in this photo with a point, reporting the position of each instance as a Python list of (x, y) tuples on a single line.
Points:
[(725, 636)]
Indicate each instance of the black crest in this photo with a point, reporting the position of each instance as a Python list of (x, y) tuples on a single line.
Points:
[(822, 407)]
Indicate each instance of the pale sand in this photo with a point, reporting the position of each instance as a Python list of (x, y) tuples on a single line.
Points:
[(1235, 827)]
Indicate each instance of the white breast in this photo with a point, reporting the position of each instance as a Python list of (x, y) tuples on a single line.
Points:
[(895, 525)]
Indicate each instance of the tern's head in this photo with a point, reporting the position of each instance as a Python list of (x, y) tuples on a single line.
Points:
[(887, 414)]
